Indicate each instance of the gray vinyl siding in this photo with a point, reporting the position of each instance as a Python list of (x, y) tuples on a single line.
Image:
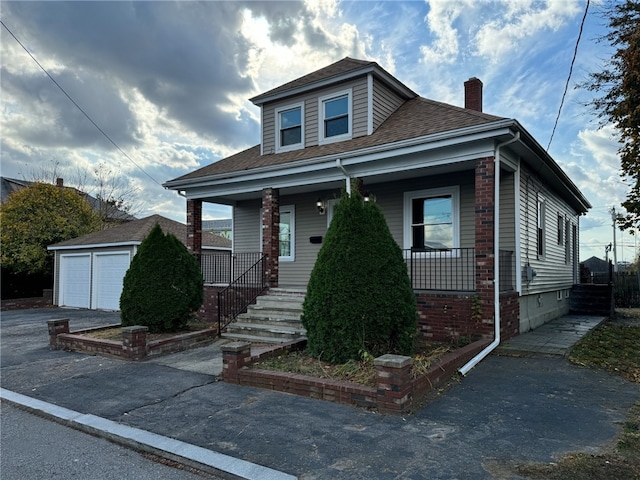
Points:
[(553, 270), (311, 114), (508, 226), (246, 226), (385, 102), (360, 109), (308, 223)]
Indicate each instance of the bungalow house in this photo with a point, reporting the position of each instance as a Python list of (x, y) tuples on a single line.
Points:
[(89, 270), (487, 220)]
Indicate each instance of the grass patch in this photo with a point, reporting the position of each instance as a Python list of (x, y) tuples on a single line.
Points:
[(614, 347), (362, 371), (622, 462)]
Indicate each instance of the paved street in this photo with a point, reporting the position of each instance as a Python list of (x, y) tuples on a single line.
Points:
[(34, 448), (506, 410)]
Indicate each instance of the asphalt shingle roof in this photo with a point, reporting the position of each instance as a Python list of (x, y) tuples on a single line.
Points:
[(137, 230), (417, 117)]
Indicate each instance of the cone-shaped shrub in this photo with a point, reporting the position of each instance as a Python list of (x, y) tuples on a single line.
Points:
[(163, 287), (359, 297)]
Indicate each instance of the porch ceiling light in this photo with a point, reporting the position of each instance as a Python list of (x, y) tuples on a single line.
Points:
[(367, 197), (321, 206)]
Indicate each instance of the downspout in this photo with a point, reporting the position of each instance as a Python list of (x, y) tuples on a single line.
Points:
[(496, 261), (347, 176)]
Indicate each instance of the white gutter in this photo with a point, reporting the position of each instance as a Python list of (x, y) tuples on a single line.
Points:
[(347, 176), (496, 262)]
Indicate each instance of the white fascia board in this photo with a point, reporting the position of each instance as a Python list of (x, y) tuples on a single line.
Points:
[(94, 245)]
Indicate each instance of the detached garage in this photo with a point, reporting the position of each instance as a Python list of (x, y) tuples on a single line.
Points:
[(89, 270)]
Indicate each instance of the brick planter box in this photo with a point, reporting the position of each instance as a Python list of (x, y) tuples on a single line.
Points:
[(134, 345), (395, 392)]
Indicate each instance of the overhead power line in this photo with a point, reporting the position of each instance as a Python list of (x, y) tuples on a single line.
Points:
[(78, 106), (566, 85)]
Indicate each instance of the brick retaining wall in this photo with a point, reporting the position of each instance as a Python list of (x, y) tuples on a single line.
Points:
[(395, 392), (46, 300), (134, 345)]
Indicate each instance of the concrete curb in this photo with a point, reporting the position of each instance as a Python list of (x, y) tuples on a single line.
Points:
[(188, 454)]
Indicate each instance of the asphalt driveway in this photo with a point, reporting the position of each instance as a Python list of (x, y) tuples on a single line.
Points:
[(506, 410)]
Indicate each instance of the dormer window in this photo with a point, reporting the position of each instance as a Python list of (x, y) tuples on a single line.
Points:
[(335, 112), (290, 128)]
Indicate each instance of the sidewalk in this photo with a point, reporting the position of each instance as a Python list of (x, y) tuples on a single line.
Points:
[(506, 410), (553, 338)]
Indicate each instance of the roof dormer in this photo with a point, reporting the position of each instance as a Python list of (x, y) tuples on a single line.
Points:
[(348, 99)]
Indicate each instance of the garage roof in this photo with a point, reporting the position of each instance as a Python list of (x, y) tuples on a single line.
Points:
[(134, 232)]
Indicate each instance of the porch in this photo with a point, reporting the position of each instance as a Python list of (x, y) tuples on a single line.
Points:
[(448, 270)]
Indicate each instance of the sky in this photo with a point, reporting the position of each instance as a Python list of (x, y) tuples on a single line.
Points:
[(169, 83)]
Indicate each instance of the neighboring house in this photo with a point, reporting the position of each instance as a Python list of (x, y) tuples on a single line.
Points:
[(223, 227), (444, 176), (89, 269), (596, 265), (110, 213)]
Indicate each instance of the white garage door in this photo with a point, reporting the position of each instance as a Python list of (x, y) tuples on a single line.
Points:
[(108, 273), (75, 281)]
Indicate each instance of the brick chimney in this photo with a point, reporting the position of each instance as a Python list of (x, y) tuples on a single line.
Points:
[(59, 182), (473, 94)]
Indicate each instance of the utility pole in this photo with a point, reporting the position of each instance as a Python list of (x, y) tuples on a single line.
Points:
[(614, 216)]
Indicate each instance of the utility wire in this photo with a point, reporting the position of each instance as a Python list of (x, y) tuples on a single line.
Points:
[(78, 106), (566, 86)]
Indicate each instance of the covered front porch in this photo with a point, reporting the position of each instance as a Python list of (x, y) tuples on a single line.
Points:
[(454, 285)]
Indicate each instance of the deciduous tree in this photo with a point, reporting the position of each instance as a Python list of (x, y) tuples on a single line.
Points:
[(619, 101), (37, 216)]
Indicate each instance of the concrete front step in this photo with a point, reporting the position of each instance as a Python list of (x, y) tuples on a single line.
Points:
[(254, 338), (266, 330), (280, 303), (271, 318), (274, 318)]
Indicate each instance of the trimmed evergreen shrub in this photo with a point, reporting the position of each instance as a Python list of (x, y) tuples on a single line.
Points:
[(163, 287), (359, 297)]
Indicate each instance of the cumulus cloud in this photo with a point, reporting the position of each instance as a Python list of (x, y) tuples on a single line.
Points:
[(440, 19)]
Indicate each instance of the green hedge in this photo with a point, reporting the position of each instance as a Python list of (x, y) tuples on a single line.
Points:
[(359, 297), (163, 287)]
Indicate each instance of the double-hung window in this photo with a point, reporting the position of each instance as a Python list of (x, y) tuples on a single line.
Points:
[(542, 209), (335, 117), (289, 127), (432, 219)]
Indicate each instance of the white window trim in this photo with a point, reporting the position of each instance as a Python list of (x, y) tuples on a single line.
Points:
[(337, 138), (295, 146), (454, 191), (292, 210)]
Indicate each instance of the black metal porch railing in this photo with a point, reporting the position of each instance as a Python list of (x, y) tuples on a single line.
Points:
[(241, 292), (446, 270), (225, 267), (453, 269)]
